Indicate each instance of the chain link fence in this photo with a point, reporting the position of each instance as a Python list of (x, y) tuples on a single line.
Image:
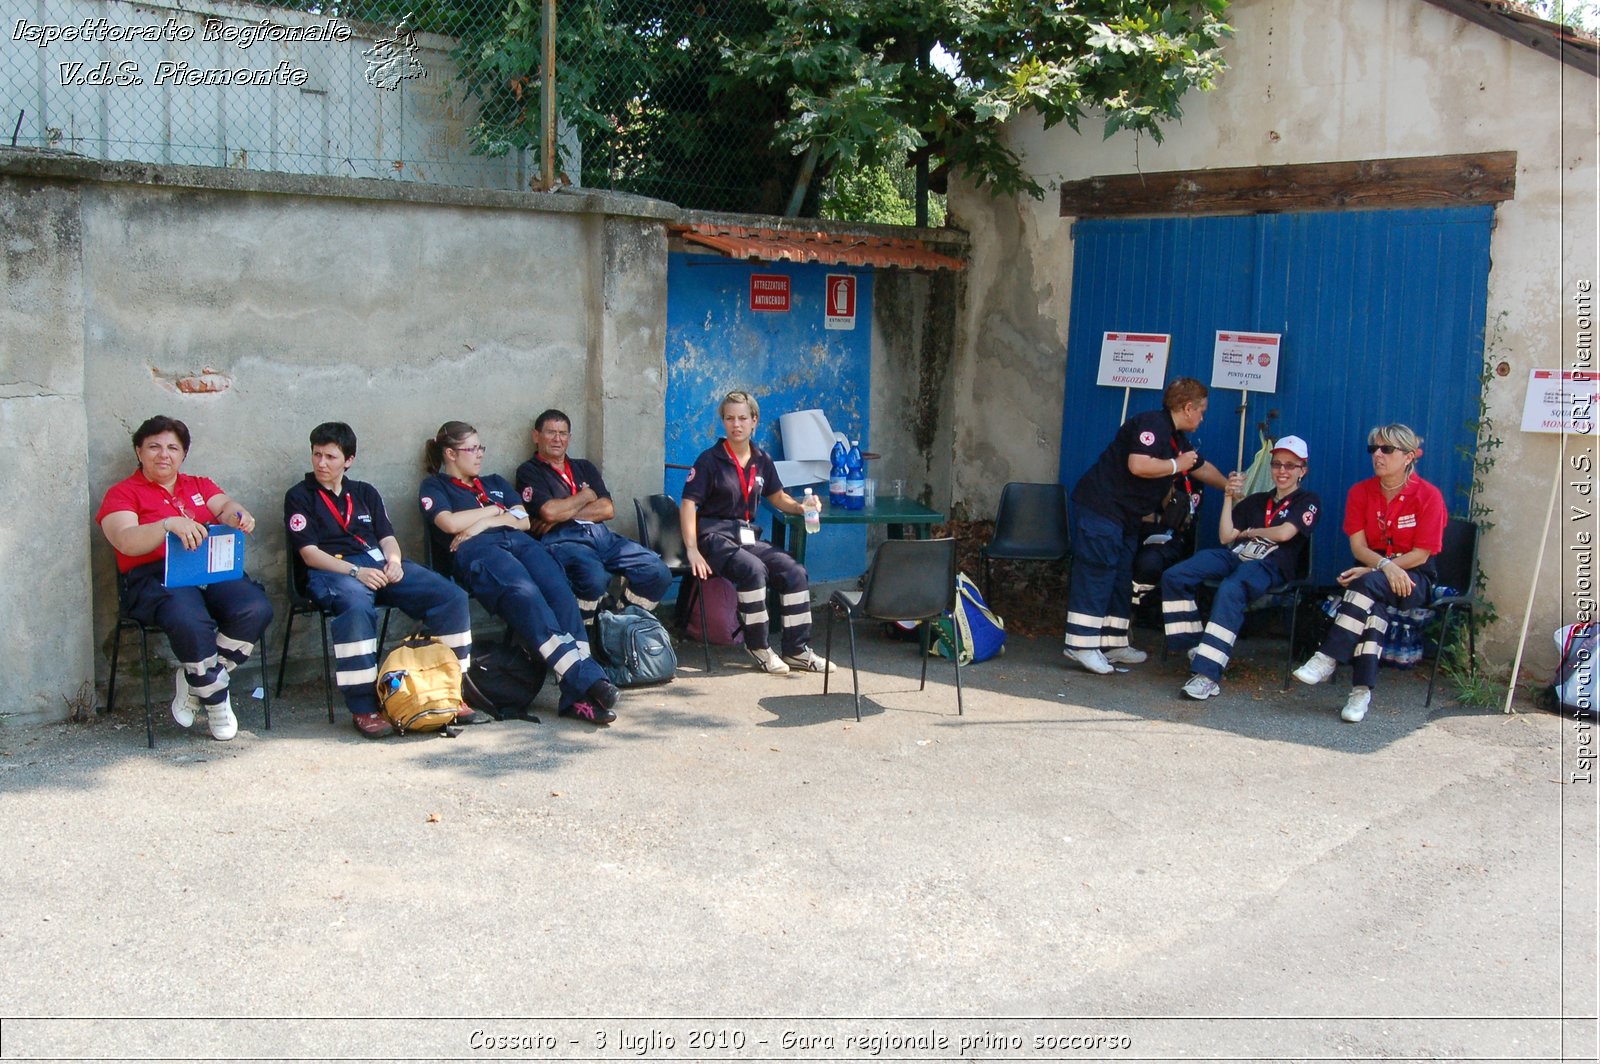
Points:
[(442, 91)]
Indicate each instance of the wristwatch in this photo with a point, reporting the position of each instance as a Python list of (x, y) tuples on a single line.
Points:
[(355, 570)]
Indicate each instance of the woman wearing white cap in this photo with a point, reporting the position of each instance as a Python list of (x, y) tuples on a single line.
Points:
[(1262, 536)]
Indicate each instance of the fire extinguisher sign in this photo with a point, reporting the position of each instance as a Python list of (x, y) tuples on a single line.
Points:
[(841, 293)]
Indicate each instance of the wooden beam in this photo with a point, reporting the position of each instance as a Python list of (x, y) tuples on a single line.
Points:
[(1553, 39), (1424, 181)]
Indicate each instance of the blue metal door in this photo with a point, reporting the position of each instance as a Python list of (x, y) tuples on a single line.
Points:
[(1382, 316)]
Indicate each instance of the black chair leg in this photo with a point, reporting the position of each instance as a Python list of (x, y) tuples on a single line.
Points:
[(262, 654), (327, 681), (111, 684), (705, 632), (922, 642), (960, 710), (855, 678), (1444, 641), (144, 670), (1288, 656), (827, 645), (283, 659)]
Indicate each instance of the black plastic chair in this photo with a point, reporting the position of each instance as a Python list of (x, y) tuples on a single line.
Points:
[(1031, 526), (1456, 566), (660, 531), (301, 602), (125, 622), (910, 580)]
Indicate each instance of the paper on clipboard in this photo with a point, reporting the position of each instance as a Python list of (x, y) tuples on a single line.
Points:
[(219, 558)]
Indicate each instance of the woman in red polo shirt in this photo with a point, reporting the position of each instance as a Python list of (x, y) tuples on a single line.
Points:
[(213, 628), (1395, 521)]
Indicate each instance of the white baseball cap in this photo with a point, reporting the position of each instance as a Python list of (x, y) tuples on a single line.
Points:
[(1294, 445)]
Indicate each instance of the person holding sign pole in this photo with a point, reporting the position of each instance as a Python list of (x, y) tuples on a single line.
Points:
[(1395, 521), (212, 628), (1129, 480), (1263, 536)]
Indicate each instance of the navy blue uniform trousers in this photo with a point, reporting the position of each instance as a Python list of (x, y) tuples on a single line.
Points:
[(212, 629), (590, 553), (1242, 583)]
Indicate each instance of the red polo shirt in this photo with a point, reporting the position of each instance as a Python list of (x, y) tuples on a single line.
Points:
[(1414, 518), (151, 503)]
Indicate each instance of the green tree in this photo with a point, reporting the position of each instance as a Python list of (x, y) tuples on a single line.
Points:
[(729, 104)]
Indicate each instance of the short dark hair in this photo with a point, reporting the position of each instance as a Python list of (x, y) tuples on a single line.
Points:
[(337, 433), (1183, 391), (550, 415), (155, 426)]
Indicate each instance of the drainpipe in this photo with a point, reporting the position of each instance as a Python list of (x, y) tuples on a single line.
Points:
[(547, 166)]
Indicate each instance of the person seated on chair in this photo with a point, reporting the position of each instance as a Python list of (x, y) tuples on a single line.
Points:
[(479, 526), (1395, 521), (1263, 536), (211, 628), (568, 507), (721, 537), (1109, 502), (341, 530)]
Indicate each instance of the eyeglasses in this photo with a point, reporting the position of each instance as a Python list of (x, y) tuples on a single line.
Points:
[(476, 448), (1287, 465), (1386, 448)]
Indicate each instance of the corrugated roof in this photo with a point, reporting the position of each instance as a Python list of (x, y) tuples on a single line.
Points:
[(810, 245)]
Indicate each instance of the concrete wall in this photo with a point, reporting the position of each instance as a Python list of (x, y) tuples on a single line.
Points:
[(1315, 82), (254, 306)]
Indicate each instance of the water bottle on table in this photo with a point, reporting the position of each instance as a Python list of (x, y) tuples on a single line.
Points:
[(855, 478), (813, 510), (836, 475)]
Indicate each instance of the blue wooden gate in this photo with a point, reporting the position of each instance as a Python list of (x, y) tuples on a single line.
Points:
[(1382, 316)]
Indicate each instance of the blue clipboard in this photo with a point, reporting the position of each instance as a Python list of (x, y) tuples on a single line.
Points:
[(218, 559)]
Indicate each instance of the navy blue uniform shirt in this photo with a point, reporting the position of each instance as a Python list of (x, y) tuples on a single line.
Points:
[(444, 494), (539, 482), (1109, 489), (350, 523), (713, 483), (1300, 507)]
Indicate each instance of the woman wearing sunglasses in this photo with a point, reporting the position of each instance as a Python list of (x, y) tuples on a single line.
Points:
[(1263, 536), (479, 531), (1395, 521)]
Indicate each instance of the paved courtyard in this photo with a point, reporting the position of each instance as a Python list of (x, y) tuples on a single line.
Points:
[(1080, 867)]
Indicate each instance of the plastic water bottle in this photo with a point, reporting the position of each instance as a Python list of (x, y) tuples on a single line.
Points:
[(855, 478), (837, 474), (813, 509)]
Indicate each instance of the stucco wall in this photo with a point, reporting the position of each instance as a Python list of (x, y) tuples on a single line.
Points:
[(288, 301), (1313, 82)]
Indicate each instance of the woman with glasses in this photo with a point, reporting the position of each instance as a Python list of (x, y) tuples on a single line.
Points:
[(1395, 521), (1263, 536), (478, 529), (212, 628)]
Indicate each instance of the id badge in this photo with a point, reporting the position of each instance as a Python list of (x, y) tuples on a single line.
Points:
[(1253, 550), (376, 555), (747, 535)]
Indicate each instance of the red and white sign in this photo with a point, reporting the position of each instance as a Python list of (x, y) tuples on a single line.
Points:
[(1246, 362), (769, 291), (1560, 400), (1134, 360), (841, 295)]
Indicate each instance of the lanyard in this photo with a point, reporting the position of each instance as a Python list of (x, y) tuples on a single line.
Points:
[(565, 473), (476, 487), (1188, 488), (1274, 511), (746, 482), (349, 511)]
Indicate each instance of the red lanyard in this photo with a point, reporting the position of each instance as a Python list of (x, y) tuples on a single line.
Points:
[(565, 474), (1383, 522), (1274, 511), (746, 482), (349, 511), (1187, 487), (476, 487)]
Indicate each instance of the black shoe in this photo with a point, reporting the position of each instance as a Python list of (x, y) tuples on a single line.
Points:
[(588, 711), (468, 715), (604, 694)]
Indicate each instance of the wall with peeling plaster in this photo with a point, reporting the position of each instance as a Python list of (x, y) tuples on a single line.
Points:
[(1315, 82)]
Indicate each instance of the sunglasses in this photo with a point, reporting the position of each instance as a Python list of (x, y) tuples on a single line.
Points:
[(1386, 448), (1287, 465)]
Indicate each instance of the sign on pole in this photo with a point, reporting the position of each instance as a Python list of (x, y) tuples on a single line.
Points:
[(1246, 361), (1134, 360), (1560, 400)]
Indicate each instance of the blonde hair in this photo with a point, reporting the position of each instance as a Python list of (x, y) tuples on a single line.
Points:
[(1395, 435), (733, 398)]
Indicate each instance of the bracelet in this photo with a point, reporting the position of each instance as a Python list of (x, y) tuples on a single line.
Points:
[(1174, 462), (1381, 564)]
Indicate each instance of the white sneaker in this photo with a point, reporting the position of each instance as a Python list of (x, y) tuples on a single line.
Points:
[(1355, 707), (1125, 656), (809, 660), (1318, 667), (220, 719), (1092, 660), (184, 702), (1190, 653), (768, 661), (1201, 688)]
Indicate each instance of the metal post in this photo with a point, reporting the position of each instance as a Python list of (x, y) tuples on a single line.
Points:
[(547, 165)]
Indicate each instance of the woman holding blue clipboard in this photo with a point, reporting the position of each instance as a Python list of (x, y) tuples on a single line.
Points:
[(212, 628)]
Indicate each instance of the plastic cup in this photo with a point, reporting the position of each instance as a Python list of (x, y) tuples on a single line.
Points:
[(872, 491), (897, 488)]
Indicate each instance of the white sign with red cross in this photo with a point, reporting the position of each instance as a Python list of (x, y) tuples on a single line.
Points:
[(1247, 362), (1134, 360)]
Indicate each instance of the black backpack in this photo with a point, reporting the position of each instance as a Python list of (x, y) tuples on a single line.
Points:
[(503, 680), (634, 648)]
